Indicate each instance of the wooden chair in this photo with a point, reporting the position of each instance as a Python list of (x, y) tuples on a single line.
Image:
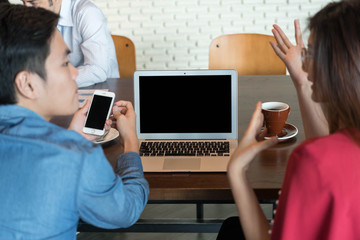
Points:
[(249, 54), (125, 55)]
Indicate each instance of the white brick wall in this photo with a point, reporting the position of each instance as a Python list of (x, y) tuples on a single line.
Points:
[(176, 34)]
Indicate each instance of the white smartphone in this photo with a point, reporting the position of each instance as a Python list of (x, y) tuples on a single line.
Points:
[(99, 111)]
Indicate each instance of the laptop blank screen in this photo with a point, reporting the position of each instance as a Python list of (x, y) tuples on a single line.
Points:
[(185, 104)]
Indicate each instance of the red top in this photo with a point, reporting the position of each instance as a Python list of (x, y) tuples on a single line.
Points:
[(320, 197)]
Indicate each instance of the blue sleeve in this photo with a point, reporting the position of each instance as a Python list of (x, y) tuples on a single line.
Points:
[(110, 200)]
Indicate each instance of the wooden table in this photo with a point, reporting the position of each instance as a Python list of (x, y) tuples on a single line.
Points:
[(266, 172)]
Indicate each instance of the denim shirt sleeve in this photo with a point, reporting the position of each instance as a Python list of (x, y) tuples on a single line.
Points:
[(112, 200)]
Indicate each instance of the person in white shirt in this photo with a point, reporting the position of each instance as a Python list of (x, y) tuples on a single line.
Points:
[(84, 29)]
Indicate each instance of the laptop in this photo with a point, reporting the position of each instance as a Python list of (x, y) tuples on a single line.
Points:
[(186, 119)]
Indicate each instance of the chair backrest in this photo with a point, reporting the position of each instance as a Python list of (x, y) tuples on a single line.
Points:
[(249, 54), (125, 55)]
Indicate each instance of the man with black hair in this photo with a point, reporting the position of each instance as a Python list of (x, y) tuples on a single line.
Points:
[(51, 176)]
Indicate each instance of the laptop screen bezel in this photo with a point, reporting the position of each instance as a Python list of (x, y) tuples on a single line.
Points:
[(180, 136)]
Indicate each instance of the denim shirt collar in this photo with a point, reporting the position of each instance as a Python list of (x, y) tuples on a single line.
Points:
[(12, 111)]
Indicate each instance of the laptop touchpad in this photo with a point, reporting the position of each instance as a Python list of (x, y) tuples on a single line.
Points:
[(182, 164)]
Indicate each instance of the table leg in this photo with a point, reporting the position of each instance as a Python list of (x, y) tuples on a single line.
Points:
[(199, 212)]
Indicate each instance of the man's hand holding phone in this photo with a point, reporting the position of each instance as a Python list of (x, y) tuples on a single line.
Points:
[(123, 112), (99, 112), (78, 120), (96, 119)]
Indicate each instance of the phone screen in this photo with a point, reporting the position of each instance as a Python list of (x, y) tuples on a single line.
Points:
[(98, 112)]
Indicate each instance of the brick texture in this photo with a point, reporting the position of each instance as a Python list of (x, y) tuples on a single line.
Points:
[(176, 34)]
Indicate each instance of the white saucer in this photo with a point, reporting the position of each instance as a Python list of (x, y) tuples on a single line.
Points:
[(291, 131), (113, 133)]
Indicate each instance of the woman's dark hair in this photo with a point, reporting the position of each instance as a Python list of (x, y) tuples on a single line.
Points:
[(336, 51), (25, 36)]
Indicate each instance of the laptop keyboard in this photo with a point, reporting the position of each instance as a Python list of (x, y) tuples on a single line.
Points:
[(201, 148)]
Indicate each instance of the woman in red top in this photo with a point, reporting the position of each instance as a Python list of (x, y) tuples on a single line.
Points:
[(321, 190)]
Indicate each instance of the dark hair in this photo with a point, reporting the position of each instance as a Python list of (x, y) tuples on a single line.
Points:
[(25, 35), (336, 51)]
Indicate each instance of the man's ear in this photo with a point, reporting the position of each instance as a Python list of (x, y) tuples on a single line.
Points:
[(25, 86)]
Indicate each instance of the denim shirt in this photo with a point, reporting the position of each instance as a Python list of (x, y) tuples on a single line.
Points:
[(50, 177)]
